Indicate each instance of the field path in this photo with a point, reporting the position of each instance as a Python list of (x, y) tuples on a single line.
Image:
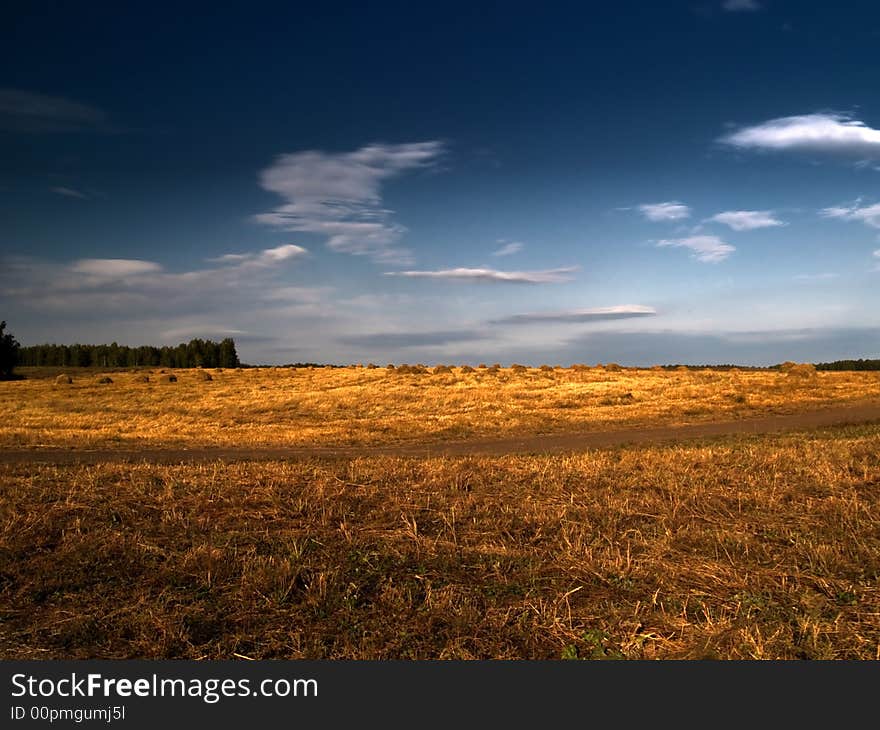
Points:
[(860, 413)]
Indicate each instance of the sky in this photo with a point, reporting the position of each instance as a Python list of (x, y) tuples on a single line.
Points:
[(678, 182)]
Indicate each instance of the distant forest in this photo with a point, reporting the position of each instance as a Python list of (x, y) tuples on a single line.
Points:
[(849, 365), (192, 354)]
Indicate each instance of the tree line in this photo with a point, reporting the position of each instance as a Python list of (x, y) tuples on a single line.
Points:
[(849, 365), (196, 353)]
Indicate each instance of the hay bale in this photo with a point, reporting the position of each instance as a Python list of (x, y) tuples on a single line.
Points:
[(516, 368), (786, 366), (442, 370), (467, 369), (657, 368), (371, 366), (801, 370), (580, 368), (682, 369), (105, 380), (482, 366), (546, 369), (167, 378), (390, 367), (613, 367), (63, 379), (205, 376), (142, 379), (411, 370)]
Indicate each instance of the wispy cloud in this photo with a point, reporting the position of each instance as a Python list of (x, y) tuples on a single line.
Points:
[(747, 220), (597, 314), (821, 132), (114, 268), (869, 214), (670, 210), (509, 248), (548, 276), (823, 276), (69, 193), (27, 111), (741, 6), (338, 195), (708, 249), (388, 340), (136, 286), (266, 257)]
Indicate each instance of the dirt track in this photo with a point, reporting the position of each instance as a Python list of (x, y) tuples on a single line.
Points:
[(525, 444)]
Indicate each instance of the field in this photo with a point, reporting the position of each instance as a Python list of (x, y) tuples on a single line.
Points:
[(343, 406), (739, 547)]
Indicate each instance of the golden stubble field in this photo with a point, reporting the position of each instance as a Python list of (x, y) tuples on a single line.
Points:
[(742, 547), (351, 406), (746, 548)]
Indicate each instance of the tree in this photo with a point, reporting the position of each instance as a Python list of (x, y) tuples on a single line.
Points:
[(228, 355), (8, 353)]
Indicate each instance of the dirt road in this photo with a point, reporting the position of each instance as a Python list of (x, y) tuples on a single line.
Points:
[(526, 444)]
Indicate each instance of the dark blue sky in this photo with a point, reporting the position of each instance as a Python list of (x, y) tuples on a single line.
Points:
[(397, 181)]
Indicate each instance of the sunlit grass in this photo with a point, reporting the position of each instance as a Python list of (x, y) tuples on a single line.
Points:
[(323, 406), (746, 548)]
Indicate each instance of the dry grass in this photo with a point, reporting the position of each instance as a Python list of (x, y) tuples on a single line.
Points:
[(747, 548), (324, 406)]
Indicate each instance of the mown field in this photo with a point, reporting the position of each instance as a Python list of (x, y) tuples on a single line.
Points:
[(351, 406), (745, 548)]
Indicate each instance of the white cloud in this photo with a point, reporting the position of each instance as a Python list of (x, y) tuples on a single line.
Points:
[(669, 211), (747, 220), (708, 249), (69, 193), (282, 253), (877, 253), (338, 195), (823, 132), (114, 268), (596, 314), (739, 6), (509, 248), (116, 287), (266, 257), (869, 215), (549, 276)]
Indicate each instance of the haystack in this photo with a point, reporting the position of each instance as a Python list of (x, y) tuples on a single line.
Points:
[(63, 380), (205, 376), (167, 378), (105, 380), (467, 369), (801, 370)]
